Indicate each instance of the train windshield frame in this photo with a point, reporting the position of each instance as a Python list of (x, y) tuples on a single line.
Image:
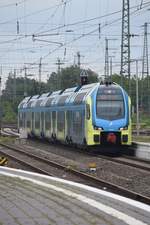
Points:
[(110, 103)]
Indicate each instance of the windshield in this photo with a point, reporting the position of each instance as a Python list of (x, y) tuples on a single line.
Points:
[(110, 103)]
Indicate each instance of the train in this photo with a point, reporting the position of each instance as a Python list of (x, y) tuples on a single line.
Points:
[(86, 115)]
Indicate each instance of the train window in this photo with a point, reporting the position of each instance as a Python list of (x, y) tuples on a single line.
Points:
[(32, 121), (69, 121), (38, 103), (87, 111), (77, 122), (24, 119), (42, 121), (21, 105), (37, 120), (49, 101), (28, 119), (48, 120), (29, 104), (110, 104), (62, 100), (60, 121), (79, 98), (54, 121), (20, 119)]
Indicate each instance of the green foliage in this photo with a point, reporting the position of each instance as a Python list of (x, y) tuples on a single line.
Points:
[(8, 113), (144, 91), (144, 120), (67, 77)]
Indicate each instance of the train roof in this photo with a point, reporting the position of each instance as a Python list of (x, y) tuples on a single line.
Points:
[(69, 96)]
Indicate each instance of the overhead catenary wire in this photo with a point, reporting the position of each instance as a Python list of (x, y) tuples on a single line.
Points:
[(88, 33), (70, 42), (93, 18), (31, 14)]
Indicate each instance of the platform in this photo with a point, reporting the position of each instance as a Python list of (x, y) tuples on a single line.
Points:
[(27, 198)]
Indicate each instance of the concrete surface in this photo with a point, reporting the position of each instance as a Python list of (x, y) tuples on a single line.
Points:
[(28, 198)]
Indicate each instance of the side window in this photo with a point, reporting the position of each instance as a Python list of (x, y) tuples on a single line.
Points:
[(33, 116), (54, 120), (47, 120), (24, 120), (42, 120), (37, 120), (69, 121), (20, 120), (28, 119), (88, 111), (60, 120), (77, 122)]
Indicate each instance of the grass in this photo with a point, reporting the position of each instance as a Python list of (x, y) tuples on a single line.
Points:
[(6, 139), (144, 121), (141, 138)]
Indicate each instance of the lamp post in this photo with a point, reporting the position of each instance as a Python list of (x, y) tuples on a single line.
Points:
[(0, 105), (137, 100), (137, 96)]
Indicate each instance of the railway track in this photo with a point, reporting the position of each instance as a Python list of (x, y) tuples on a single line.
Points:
[(44, 166), (125, 160), (122, 159), (10, 132)]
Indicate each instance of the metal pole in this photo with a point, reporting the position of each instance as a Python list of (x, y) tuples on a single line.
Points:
[(79, 58), (145, 70), (125, 44), (106, 60), (25, 82), (40, 69), (137, 100), (14, 86), (111, 67), (0, 105)]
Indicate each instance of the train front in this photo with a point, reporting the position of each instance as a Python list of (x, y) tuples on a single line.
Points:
[(111, 115)]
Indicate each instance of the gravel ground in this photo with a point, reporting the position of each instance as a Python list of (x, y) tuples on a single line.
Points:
[(131, 178)]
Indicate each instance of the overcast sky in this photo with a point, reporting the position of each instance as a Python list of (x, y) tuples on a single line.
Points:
[(61, 28)]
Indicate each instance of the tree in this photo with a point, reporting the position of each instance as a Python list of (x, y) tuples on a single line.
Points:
[(69, 77)]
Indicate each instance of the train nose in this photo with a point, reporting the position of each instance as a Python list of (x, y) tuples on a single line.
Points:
[(111, 138)]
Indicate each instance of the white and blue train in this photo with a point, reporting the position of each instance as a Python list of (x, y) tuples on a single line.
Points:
[(92, 114)]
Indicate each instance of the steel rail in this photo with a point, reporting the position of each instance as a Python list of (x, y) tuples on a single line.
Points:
[(9, 133), (128, 161), (88, 178)]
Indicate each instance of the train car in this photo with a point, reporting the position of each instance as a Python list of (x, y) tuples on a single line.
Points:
[(88, 115)]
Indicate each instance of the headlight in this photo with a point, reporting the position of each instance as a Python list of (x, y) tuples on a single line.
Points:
[(98, 128), (124, 128)]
